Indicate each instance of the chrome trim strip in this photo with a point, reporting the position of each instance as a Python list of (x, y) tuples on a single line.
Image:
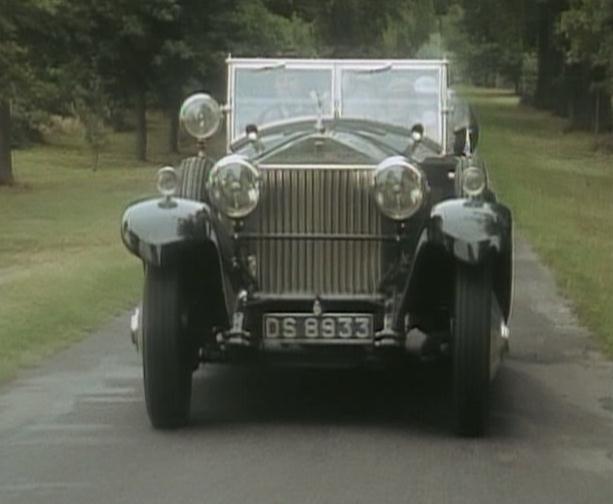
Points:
[(314, 236), (314, 62), (375, 299), (310, 314), (287, 343), (315, 167)]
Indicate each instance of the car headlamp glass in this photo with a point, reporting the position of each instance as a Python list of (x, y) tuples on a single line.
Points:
[(473, 181), (398, 188), (234, 186), (167, 181), (200, 115)]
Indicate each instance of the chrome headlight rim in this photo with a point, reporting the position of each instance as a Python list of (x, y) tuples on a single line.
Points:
[(215, 192), (474, 181), (195, 107), (167, 181), (418, 191)]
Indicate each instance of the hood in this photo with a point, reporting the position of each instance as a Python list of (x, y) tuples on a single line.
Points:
[(338, 141)]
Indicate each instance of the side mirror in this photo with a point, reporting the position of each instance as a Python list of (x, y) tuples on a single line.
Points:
[(465, 140), (465, 126)]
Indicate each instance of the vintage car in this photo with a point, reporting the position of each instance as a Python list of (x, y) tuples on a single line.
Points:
[(350, 223)]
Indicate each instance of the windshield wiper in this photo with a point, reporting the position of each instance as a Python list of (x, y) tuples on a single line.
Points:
[(274, 66), (385, 68)]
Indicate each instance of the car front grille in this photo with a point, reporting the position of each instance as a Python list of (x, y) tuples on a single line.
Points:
[(315, 232)]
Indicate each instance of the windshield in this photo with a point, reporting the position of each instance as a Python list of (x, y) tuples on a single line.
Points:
[(268, 95), (402, 97), (402, 92)]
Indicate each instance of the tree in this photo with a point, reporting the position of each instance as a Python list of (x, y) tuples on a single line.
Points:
[(258, 30), (588, 27), (29, 74), (123, 41), (490, 37), (571, 42), (14, 74)]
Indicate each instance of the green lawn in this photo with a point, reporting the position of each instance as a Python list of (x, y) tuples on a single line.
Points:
[(63, 269), (561, 193)]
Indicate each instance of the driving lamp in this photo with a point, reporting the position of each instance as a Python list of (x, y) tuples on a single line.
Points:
[(398, 188), (473, 181), (234, 186), (167, 181), (200, 116)]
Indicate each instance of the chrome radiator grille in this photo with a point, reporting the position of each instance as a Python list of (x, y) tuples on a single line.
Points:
[(311, 221)]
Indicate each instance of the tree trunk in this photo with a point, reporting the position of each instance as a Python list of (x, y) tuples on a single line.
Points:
[(544, 70), (550, 58), (589, 103), (141, 125), (602, 99), (6, 160), (604, 115), (579, 97), (173, 133)]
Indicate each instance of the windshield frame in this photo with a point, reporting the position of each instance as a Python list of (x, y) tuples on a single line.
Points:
[(337, 67)]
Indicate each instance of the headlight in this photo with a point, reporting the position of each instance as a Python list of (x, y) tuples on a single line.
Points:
[(234, 186), (200, 116), (398, 188), (167, 181), (474, 181)]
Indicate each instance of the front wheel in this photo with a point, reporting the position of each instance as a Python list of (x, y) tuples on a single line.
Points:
[(471, 348), (167, 359)]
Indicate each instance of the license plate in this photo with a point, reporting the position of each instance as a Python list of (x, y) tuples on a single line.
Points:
[(334, 326)]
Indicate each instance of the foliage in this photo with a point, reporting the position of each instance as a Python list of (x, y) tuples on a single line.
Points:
[(488, 38), (571, 42), (588, 27), (260, 32), (407, 27), (362, 28)]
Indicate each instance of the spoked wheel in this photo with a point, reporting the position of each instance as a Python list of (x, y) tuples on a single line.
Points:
[(167, 351), (471, 348)]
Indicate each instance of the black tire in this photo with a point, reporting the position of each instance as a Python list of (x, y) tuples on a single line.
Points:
[(193, 173), (471, 348), (167, 352)]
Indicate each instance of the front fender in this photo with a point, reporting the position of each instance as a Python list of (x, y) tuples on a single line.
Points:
[(156, 230), (183, 232), (470, 230), (460, 230)]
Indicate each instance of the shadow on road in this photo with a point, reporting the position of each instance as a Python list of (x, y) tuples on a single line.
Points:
[(416, 399)]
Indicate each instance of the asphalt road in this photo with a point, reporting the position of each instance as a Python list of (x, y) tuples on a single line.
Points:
[(75, 429)]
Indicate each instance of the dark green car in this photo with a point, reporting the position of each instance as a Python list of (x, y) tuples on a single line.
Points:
[(351, 223)]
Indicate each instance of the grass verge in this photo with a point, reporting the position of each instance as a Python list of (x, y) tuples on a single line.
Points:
[(561, 193), (63, 269)]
